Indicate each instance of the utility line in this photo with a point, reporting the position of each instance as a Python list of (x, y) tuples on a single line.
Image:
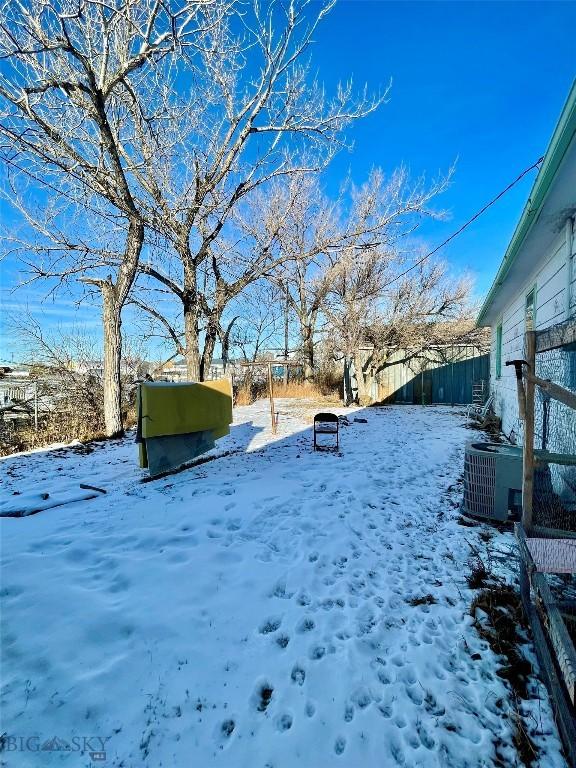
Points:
[(466, 224)]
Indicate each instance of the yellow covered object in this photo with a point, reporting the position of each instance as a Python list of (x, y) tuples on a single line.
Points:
[(177, 409)]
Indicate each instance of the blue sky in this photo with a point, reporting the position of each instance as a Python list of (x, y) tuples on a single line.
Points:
[(483, 83)]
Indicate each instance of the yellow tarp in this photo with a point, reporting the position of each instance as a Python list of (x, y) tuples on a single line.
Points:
[(176, 409)]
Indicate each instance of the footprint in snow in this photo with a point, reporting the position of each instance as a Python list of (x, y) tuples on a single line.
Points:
[(298, 675), (415, 695), (412, 739), (362, 698), (281, 592), (425, 739), (262, 696), (384, 677), (400, 722), (270, 625), (303, 599), (224, 731), (317, 652), (306, 625), (385, 710), (284, 722), (339, 745)]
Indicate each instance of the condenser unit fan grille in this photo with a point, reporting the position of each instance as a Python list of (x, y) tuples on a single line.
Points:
[(479, 484)]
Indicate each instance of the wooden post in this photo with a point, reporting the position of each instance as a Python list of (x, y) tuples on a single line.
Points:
[(36, 406), (528, 448), (271, 394), (286, 333)]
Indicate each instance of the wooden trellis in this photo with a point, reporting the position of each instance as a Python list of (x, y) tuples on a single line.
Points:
[(546, 549), (270, 364)]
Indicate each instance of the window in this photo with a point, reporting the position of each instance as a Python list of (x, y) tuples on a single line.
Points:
[(530, 310), (499, 351)]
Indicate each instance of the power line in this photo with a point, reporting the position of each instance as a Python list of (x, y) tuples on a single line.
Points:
[(466, 224)]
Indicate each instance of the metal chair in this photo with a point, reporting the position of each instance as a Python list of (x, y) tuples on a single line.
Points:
[(326, 424), (479, 413)]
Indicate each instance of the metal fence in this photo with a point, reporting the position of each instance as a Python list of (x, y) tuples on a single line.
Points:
[(555, 432), (547, 535), (443, 377)]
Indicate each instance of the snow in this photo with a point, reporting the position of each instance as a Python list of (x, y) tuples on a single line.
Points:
[(256, 610)]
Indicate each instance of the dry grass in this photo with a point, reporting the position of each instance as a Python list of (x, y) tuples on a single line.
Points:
[(243, 396), (326, 384), (303, 389), (76, 419), (504, 628), (249, 393), (56, 428)]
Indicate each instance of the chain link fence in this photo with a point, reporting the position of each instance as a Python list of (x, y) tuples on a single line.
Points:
[(555, 434)]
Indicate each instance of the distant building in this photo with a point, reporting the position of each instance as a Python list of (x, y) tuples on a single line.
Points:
[(176, 370)]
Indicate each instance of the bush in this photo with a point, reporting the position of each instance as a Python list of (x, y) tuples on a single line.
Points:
[(70, 407), (329, 380)]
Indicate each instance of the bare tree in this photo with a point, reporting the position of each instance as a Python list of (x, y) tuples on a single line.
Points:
[(258, 327), (256, 115), (86, 95), (373, 316), (327, 241), (66, 371)]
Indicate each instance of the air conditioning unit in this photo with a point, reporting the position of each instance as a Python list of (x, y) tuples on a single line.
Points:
[(493, 481)]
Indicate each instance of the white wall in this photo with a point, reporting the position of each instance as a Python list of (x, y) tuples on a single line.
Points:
[(555, 281)]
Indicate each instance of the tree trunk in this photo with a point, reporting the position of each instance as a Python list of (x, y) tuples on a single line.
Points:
[(308, 352), (209, 344), (113, 299), (225, 340), (112, 356), (363, 380), (192, 344), (191, 336)]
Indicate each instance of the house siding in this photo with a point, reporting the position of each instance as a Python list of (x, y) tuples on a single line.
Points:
[(572, 274), (555, 283)]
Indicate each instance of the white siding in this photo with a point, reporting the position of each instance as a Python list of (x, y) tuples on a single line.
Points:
[(551, 280), (573, 273)]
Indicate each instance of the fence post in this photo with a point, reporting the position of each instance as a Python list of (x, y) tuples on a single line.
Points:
[(271, 395), (528, 447)]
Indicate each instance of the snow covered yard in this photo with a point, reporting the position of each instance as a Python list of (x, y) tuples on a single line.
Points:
[(273, 608)]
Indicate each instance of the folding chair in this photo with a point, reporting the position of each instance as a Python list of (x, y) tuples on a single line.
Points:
[(480, 412), (326, 424)]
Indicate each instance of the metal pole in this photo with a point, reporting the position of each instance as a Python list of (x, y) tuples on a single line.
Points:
[(528, 448), (36, 406)]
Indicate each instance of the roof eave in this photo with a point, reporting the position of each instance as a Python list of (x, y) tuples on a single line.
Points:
[(561, 138)]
